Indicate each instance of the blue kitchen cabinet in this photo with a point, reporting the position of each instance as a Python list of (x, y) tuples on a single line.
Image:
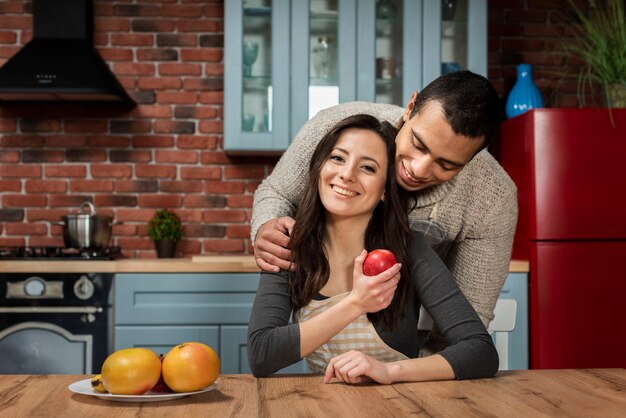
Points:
[(158, 311), (287, 59), (514, 355)]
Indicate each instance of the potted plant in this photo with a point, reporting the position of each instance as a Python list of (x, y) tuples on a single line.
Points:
[(165, 230), (601, 45)]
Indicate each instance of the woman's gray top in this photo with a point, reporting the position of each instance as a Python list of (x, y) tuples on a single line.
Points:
[(274, 343)]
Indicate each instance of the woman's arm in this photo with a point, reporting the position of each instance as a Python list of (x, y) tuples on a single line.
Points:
[(470, 354), (273, 343)]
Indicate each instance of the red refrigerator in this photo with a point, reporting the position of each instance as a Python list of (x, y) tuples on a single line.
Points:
[(570, 169)]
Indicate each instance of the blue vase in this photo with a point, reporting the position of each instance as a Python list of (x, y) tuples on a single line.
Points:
[(524, 95)]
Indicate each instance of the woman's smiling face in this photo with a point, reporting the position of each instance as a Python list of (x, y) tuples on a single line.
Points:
[(352, 180)]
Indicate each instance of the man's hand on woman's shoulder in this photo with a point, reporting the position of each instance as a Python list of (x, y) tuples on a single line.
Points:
[(271, 246)]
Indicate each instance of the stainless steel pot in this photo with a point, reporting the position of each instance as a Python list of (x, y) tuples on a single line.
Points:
[(86, 230)]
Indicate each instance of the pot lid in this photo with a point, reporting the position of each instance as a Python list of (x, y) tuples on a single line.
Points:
[(81, 215)]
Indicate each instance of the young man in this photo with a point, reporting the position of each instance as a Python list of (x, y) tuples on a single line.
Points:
[(466, 203)]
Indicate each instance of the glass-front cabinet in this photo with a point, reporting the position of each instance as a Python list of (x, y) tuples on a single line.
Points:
[(285, 60)]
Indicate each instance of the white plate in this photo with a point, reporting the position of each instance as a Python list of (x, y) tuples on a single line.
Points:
[(83, 387)]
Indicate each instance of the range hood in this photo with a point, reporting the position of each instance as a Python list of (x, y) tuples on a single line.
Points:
[(60, 63)]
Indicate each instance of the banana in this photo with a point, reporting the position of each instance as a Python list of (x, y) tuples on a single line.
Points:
[(96, 384)]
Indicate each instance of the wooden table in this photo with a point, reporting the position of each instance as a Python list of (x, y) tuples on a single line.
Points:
[(572, 393)]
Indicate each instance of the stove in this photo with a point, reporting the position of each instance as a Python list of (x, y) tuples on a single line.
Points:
[(61, 253), (55, 323)]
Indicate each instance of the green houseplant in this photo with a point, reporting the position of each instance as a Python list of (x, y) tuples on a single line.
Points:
[(165, 229), (601, 45)]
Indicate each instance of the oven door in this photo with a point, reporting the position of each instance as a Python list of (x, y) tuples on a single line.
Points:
[(52, 340)]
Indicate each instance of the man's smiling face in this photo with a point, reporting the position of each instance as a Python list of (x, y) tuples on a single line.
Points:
[(428, 152)]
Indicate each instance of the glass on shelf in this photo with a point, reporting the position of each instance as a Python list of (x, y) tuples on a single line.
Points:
[(256, 65), (454, 34), (389, 45)]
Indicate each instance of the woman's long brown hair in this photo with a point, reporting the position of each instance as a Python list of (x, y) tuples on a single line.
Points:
[(388, 228)]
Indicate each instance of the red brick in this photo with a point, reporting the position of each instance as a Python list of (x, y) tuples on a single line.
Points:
[(159, 201), (111, 171), (135, 215), (65, 171), (203, 84), (73, 126), (180, 186), (175, 10), (176, 127), (26, 228), (12, 242), (34, 215), (251, 186), (155, 171), (154, 25), (184, 157), (204, 231), (9, 156), (65, 141), (45, 186), (108, 141), (209, 173), (116, 54), (523, 44), (192, 215), (103, 24), (225, 187), (130, 126), (208, 55), (211, 97), (224, 246), (197, 142), (8, 51), (8, 125), (135, 39), (175, 97), (213, 10), (168, 69), (115, 201), (216, 157), (241, 201), (213, 126), (9, 170), (137, 186), (142, 243), (198, 25), (542, 31), (152, 111), (223, 216), (19, 201), (40, 125), (176, 40), (213, 70), (153, 141), (238, 231), (204, 201), (16, 22), (160, 83), (22, 141), (12, 7), (45, 241), (91, 186), (242, 172), (188, 247), (124, 230), (10, 185), (196, 112), (7, 38), (134, 69)]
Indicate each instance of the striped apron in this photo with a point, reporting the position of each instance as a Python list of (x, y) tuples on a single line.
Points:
[(359, 335)]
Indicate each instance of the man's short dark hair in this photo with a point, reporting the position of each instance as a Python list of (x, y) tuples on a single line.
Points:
[(469, 101)]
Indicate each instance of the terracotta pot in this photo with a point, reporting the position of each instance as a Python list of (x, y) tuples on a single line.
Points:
[(165, 248)]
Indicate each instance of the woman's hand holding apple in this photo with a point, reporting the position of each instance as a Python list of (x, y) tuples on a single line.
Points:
[(373, 293)]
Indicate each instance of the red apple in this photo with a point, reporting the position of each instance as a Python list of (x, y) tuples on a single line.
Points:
[(378, 261), (161, 386)]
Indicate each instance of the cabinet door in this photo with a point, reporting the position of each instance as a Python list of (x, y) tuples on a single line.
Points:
[(161, 339), (517, 355), (256, 65)]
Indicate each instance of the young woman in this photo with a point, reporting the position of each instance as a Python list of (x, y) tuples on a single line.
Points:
[(348, 325)]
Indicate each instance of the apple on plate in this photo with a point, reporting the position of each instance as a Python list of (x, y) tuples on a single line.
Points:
[(378, 261)]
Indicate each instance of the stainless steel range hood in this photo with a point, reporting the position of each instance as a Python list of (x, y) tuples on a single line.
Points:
[(60, 63)]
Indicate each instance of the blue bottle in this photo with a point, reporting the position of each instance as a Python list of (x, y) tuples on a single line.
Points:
[(524, 95)]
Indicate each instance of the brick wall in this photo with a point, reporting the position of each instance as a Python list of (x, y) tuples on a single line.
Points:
[(168, 152)]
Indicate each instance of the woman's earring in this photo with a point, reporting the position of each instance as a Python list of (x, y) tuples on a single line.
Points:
[(382, 198)]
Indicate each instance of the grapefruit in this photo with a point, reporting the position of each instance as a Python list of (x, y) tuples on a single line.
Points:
[(190, 366), (131, 371)]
